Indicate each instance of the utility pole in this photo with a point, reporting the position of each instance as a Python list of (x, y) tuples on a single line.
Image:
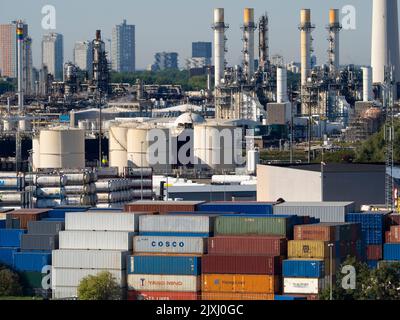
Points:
[(330, 245)]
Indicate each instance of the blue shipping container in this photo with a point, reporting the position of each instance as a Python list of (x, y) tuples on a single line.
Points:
[(288, 298), (368, 220), (2, 224), (166, 265), (175, 234), (7, 256), (31, 261), (11, 237), (372, 264), (241, 207), (391, 251), (372, 236), (303, 268)]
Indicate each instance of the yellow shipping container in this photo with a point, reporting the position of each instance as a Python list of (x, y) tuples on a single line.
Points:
[(308, 249), (239, 283), (226, 296)]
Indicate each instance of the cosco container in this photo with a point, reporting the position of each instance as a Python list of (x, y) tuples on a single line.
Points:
[(230, 264), (169, 283), (61, 277), (304, 285), (90, 259), (31, 261), (162, 206), (96, 240), (45, 227), (11, 237), (176, 223), (239, 283), (238, 206), (308, 249), (266, 245), (168, 265), (228, 296), (102, 221), (157, 295), (177, 245), (37, 242), (391, 251), (7, 256), (304, 268)]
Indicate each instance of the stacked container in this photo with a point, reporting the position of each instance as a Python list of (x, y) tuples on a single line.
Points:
[(166, 264), (244, 207), (163, 207), (91, 243), (391, 248), (12, 192), (10, 242)]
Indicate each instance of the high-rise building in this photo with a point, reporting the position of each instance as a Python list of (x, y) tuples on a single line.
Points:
[(202, 50), (83, 56), (165, 60), (123, 56), (53, 54), (28, 78)]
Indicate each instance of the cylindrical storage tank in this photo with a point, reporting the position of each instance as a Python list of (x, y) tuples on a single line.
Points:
[(118, 147), (11, 183), (281, 85), (49, 181), (62, 147), (49, 203), (9, 124), (81, 189), (35, 153), (137, 142), (77, 178), (25, 124), (367, 84), (50, 192), (253, 159)]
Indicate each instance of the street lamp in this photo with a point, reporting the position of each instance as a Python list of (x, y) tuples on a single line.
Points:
[(331, 245)]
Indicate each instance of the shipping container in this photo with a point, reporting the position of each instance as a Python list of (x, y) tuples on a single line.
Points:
[(372, 236), (311, 268), (59, 293), (368, 220), (176, 245), (395, 234), (168, 283), (324, 211), (270, 245), (102, 221), (230, 264), (304, 285), (62, 277), (90, 259), (288, 298), (31, 261), (7, 256), (164, 265), (308, 249), (96, 240), (372, 264), (45, 227), (245, 207), (26, 215), (388, 237), (162, 206), (2, 223), (328, 232), (254, 225), (374, 252), (37, 242), (157, 295), (11, 237), (176, 223), (228, 296), (391, 251), (240, 283), (35, 280)]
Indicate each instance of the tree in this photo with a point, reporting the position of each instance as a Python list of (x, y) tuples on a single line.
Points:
[(9, 283), (102, 286)]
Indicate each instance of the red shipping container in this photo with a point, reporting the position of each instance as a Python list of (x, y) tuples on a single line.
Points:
[(162, 207), (26, 215), (157, 295), (395, 233), (271, 246), (230, 264), (374, 252), (393, 219), (315, 232), (388, 237)]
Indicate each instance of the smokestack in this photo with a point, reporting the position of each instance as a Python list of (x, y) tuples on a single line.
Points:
[(305, 32), (20, 63), (263, 40), (248, 42), (334, 30), (281, 85), (385, 40), (367, 84), (219, 27), (98, 35)]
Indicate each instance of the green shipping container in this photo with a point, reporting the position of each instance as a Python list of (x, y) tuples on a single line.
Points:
[(32, 280), (252, 225)]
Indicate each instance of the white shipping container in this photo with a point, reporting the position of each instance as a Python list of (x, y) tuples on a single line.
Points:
[(166, 283), (156, 244), (304, 285), (90, 259), (64, 292), (102, 221), (61, 277), (96, 240), (176, 223)]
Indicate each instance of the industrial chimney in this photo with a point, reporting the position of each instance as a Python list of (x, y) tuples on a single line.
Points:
[(334, 28), (248, 43), (281, 85), (305, 32), (20, 64), (367, 84), (219, 27), (263, 40)]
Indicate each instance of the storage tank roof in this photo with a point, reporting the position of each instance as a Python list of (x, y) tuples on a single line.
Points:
[(189, 117)]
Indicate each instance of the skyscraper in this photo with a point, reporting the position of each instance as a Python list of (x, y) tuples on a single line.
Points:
[(83, 56), (202, 50), (123, 56), (165, 60), (53, 54)]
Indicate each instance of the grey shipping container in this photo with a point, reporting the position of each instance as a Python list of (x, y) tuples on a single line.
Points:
[(36, 242), (325, 211), (45, 227)]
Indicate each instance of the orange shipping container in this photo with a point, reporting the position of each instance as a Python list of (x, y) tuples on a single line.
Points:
[(226, 296), (239, 283)]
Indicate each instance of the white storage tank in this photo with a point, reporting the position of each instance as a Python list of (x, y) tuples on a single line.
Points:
[(25, 124), (9, 124), (35, 153), (118, 147), (137, 147), (62, 147), (253, 159)]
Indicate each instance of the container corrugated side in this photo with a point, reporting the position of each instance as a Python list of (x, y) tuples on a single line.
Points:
[(11, 237), (148, 282), (45, 227), (157, 295), (96, 240), (63, 277), (311, 268), (304, 285), (37, 242), (308, 249), (240, 283), (227, 296), (238, 206), (178, 245), (102, 221), (176, 223), (328, 232), (64, 292), (162, 206), (90, 259), (391, 251), (29, 261), (7, 256), (165, 265)]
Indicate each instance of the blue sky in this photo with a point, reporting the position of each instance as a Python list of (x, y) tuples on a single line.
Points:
[(171, 25)]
